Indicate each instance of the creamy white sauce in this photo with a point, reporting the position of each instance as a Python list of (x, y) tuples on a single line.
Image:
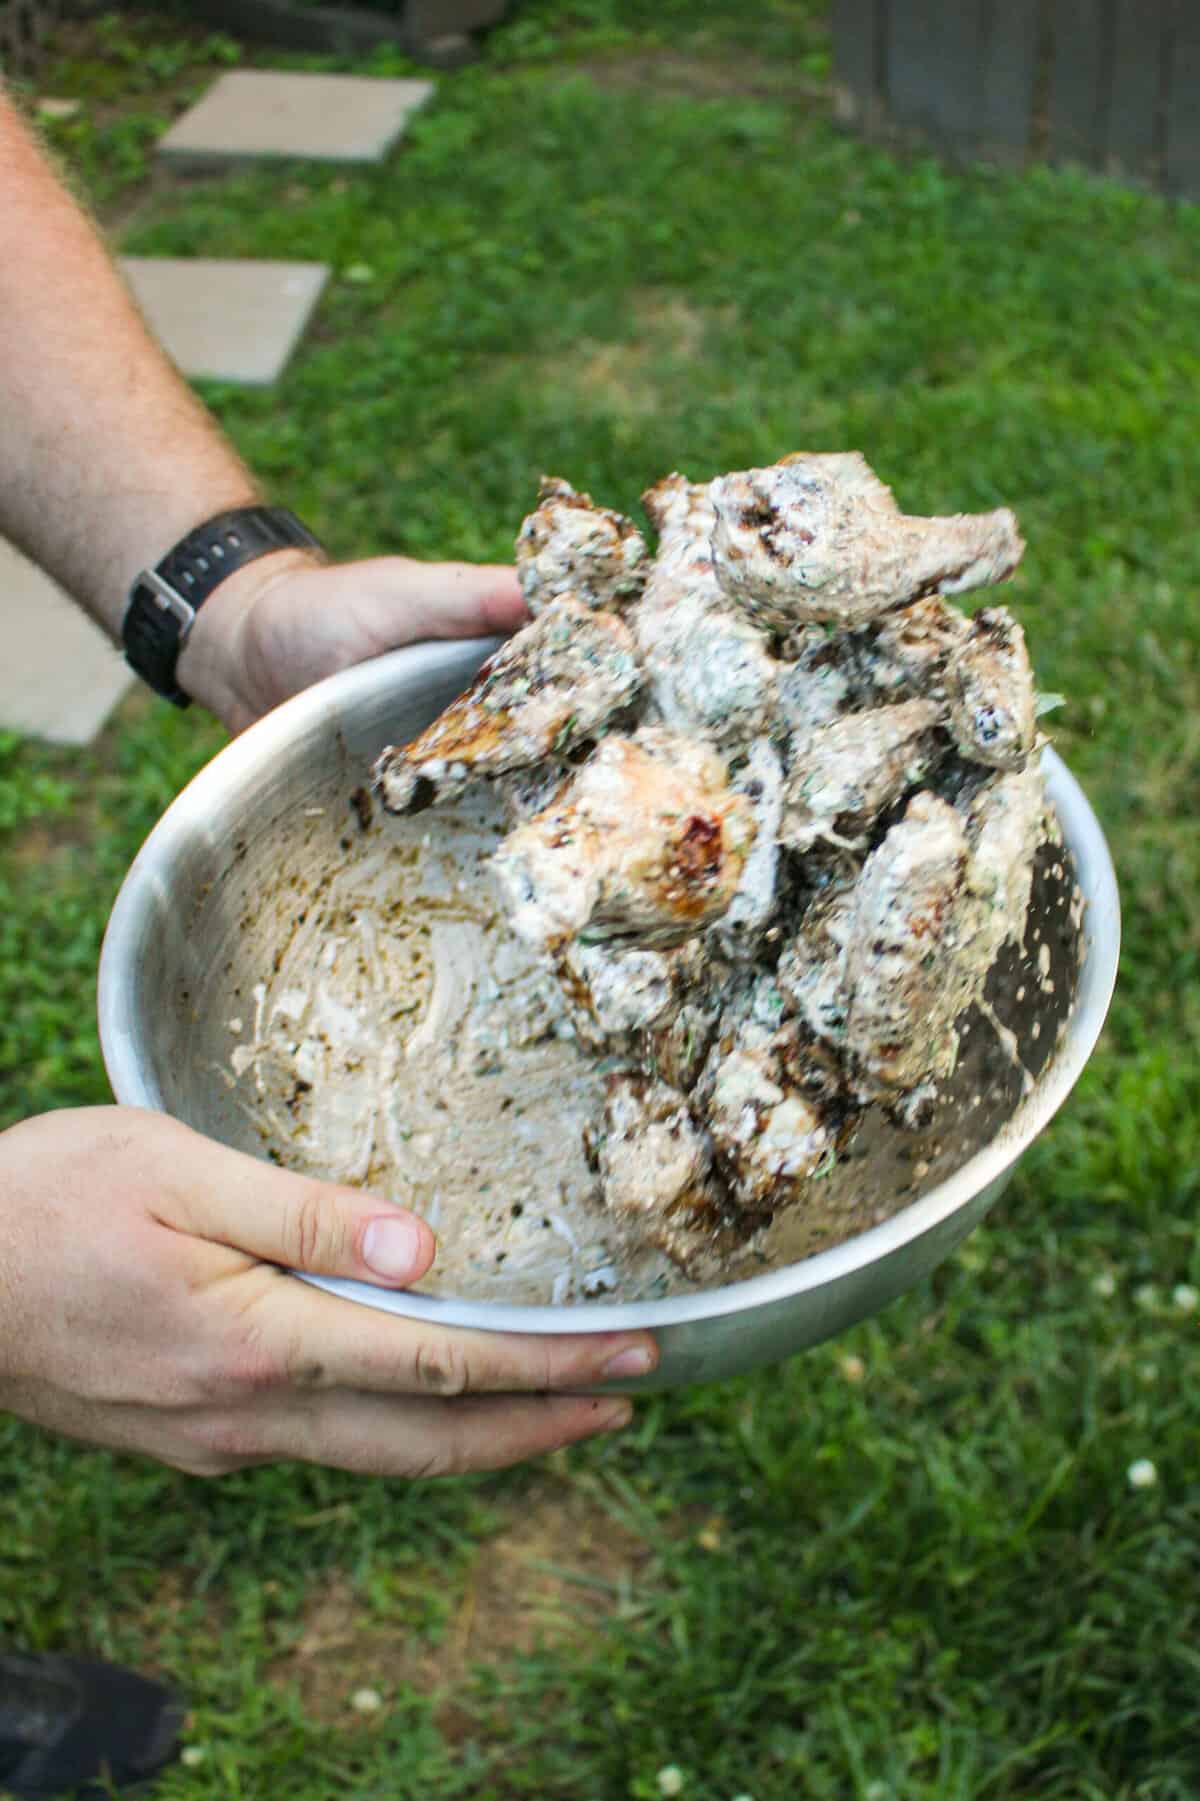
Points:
[(407, 1042)]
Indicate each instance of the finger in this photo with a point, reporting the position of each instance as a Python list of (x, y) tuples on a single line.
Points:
[(310, 1339), (417, 1438), (449, 600), (280, 1217)]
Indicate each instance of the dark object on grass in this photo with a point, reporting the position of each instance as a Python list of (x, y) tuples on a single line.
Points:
[(1108, 85), (75, 1726), (431, 31)]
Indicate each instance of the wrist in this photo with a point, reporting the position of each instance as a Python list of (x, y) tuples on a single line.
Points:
[(216, 666), (176, 600)]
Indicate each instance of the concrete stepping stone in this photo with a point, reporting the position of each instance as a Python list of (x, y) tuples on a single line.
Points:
[(251, 114), (60, 677), (228, 320)]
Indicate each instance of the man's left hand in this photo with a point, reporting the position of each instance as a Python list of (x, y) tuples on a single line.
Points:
[(286, 621)]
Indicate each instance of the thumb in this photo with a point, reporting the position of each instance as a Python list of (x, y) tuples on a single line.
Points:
[(446, 600), (278, 1216)]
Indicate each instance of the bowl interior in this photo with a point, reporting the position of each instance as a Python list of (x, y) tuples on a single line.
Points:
[(234, 875)]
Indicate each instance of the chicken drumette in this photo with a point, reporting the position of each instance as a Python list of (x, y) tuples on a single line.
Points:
[(655, 1165), (560, 679), (569, 545), (708, 672), (991, 695), (647, 844), (846, 773), (819, 537), (882, 969)]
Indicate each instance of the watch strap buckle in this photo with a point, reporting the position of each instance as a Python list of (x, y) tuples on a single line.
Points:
[(168, 600)]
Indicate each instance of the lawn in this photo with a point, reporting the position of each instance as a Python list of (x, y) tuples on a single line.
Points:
[(909, 1564)]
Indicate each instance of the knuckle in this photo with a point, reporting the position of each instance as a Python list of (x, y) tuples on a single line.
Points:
[(312, 1234), (220, 1443), (296, 1367), (441, 1367), (247, 1367)]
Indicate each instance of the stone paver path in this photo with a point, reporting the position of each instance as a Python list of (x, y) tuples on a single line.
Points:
[(236, 321), (249, 114), (232, 321), (62, 676)]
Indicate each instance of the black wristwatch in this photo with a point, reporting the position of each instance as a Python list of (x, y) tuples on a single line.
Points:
[(164, 601)]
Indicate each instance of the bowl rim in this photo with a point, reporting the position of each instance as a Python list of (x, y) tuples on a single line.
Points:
[(146, 881)]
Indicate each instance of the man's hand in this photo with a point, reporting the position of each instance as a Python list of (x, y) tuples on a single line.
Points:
[(284, 622), (142, 1308)]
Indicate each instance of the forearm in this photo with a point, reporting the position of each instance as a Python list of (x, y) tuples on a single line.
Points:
[(107, 460), (106, 457)]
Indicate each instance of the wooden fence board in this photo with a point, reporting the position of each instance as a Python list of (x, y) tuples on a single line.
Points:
[(24, 27), (1010, 68), (934, 66), (857, 30), (1135, 111), (1114, 84), (1080, 82), (910, 88), (1183, 104)]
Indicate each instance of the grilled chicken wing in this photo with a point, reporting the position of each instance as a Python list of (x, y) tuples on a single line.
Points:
[(883, 967), (769, 1106), (991, 693), (708, 672), (646, 844), (613, 993), (918, 950), (811, 972), (1008, 820), (568, 545), (656, 1173), (560, 679), (819, 537), (904, 653), (846, 773)]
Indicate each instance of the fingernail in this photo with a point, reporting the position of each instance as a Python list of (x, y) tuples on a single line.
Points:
[(392, 1247), (635, 1360), (614, 1419)]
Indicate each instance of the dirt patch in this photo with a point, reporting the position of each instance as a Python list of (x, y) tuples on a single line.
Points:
[(675, 73), (663, 347), (173, 1628), (624, 374), (666, 330), (558, 1567)]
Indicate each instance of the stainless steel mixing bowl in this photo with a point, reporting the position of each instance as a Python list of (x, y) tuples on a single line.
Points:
[(203, 904)]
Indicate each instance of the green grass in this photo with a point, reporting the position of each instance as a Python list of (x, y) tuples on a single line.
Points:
[(909, 1564)]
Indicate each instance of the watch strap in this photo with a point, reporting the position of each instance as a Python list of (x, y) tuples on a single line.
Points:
[(164, 601)]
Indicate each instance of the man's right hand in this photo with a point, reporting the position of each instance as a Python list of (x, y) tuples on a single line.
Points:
[(143, 1306)]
